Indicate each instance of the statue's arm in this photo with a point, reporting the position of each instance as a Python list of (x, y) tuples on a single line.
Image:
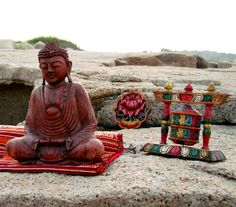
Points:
[(86, 116), (31, 137)]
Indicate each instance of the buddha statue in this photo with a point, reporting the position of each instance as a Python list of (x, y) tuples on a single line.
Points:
[(60, 122)]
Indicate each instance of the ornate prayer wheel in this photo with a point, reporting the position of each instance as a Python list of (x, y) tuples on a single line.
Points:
[(185, 122), (185, 126)]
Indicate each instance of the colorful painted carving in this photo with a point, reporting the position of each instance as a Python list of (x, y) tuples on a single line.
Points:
[(185, 152), (185, 123), (185, 126), (131, 110)]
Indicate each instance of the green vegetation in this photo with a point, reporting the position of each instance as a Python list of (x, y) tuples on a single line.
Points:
[(17, 45), (62, 43), (20, 45)]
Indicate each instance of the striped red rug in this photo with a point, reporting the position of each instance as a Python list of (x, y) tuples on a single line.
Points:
[(113, 143)]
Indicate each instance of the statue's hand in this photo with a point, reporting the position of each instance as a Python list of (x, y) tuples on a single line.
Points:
[(69, 143), (32, 141)]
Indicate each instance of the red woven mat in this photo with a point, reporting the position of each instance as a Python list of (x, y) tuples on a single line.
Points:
[(113, 143)]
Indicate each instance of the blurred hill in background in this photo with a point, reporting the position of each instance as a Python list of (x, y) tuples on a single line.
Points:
[(210, 56), (42, 40)]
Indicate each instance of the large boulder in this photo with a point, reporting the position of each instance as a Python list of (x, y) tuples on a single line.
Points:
[(179, 60), (18, 74), (212, 65), (16, 84), (201, 62), (171, 59), (144, 60), (224, 64), (222, 114)]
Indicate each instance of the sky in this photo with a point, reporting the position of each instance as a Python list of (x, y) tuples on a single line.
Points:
[(124, 25)]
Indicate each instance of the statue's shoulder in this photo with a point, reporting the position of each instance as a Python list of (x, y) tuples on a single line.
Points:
[(79, 89), (37, 90), (77, 86)]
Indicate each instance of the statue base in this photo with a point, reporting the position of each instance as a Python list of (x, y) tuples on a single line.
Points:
[(184, 152), (112, 141)]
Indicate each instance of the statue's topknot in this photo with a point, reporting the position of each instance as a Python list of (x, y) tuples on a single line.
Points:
[(52, 49)]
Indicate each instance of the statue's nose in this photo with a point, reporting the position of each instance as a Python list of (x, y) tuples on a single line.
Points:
[(50, 68)]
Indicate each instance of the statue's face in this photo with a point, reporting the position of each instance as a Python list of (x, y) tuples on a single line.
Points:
[(54, 69)]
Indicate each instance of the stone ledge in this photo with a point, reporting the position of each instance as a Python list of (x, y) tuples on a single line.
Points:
[(134, 179)]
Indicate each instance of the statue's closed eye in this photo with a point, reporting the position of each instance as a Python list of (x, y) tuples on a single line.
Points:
[(43, 66)]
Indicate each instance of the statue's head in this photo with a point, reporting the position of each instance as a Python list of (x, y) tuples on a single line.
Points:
[(54, 64)]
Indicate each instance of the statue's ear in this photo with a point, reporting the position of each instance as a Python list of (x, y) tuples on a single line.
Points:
[(69, 70), (70, 65)]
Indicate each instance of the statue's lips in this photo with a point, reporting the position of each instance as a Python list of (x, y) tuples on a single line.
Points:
[(51, 76)]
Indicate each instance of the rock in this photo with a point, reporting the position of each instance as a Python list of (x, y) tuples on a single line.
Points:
[(23, 46), (120, 62), (39, 45), (212, 65), (145, 60), (224, 64), (179, 60), (18, 74), (106, 84), (225, 113), (134, 179), (14, 100), (119, 78), (6, 44), (201, 62), (16, 84), (172, 59)]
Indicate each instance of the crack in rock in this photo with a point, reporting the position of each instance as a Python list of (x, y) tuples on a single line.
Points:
[(228, 174)]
